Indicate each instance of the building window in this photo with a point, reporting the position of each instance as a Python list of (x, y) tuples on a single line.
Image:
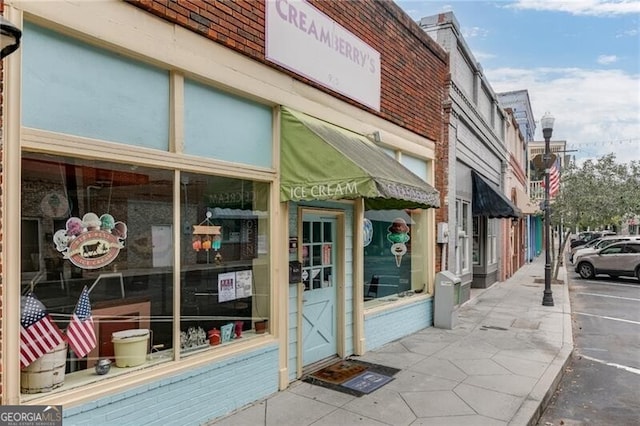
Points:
[(463, 236), (492, 241), (476, 240), (394, 253), (110, 228)]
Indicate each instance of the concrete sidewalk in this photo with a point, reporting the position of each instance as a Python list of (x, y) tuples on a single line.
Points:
[(499, 366)]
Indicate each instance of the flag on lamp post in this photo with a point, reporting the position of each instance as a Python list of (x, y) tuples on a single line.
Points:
[(554, 180), (38, 333), (80, 333)]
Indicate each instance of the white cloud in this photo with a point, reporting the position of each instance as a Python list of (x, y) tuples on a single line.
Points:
[(483, 56), (607, 59), (627, 33), (581, 7), (470, 32), (597, 111)]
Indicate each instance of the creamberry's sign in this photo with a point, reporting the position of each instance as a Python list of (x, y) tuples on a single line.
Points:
[(91, 242), (304, 40)]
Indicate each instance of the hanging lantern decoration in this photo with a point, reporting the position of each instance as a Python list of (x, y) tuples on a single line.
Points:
[(206, 235)]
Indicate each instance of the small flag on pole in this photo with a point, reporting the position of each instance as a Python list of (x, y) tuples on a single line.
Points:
[(80, 333), (554, 180), (38, 333)]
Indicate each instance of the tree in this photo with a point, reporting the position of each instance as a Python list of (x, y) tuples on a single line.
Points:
[(597, 195)]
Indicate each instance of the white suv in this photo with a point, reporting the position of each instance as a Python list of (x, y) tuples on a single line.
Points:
[(621, 259), (602, 243)]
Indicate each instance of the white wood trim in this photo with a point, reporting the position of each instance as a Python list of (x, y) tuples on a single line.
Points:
[(50, 142), (134, 32), (11, 220)]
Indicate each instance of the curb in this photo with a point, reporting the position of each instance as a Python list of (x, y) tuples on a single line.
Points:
[(533, 407)]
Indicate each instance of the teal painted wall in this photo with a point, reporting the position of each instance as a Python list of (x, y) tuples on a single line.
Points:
[(190, 398), (392, 324)]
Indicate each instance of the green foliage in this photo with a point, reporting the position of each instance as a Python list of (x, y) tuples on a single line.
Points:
[(598, 194)]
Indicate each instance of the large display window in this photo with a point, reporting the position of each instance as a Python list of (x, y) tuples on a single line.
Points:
[(97, 265), (394, 253), (224, 276)]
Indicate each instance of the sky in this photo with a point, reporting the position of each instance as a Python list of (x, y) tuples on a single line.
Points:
[(578, 59)]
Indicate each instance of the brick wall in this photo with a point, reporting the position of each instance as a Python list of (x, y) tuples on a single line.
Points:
[(414, 67)]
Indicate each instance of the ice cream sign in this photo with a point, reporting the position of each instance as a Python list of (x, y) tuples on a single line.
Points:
[(91, 242), (398, 236)]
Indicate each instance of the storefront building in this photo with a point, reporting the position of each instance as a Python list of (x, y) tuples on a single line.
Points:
[(477, 163), (242, 189), (515, 235), (519, 103)]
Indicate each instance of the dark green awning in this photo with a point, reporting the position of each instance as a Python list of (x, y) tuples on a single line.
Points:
[(321, 161), (490, 201)]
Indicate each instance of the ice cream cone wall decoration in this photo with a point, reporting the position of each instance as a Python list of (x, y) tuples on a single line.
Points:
[(398, 236)]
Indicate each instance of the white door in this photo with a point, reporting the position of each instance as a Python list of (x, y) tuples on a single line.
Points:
[(319, 307)]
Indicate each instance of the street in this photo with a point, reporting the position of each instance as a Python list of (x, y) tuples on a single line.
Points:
[(600, 383)]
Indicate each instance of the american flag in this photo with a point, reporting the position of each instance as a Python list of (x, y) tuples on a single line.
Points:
[(554, 180), (80, 333), (38, 333)]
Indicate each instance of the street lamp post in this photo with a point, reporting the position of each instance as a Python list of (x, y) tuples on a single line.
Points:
[(9, 38), (547, 129)]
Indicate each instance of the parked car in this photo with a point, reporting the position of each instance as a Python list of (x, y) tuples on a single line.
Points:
[(585, 237), (621, 259), (598, 244), (589, 244)]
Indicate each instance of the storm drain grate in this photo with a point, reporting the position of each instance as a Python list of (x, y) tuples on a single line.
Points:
[(493, 327)]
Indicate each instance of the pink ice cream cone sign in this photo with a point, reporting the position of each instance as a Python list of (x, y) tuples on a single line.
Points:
[(398, 236)]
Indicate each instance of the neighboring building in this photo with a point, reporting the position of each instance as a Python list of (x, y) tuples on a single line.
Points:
[(536, 175), (515, 232), (630, 225), (477, 163), (204, 168), (518, 101), (536, 179)]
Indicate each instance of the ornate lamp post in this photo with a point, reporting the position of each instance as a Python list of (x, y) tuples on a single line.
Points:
[(9, 38), (547, 129)]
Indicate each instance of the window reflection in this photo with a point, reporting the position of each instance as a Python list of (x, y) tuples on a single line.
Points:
[(110, 228), (225, 283), (394, 253), (105, 227)]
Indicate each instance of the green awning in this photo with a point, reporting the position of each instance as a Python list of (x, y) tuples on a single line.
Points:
[(321, 161)]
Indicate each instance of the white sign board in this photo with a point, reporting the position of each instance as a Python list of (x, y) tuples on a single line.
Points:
[(226, 286), (302, 39)]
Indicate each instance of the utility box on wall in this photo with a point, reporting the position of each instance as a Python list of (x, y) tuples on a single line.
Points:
[(446, 300)]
